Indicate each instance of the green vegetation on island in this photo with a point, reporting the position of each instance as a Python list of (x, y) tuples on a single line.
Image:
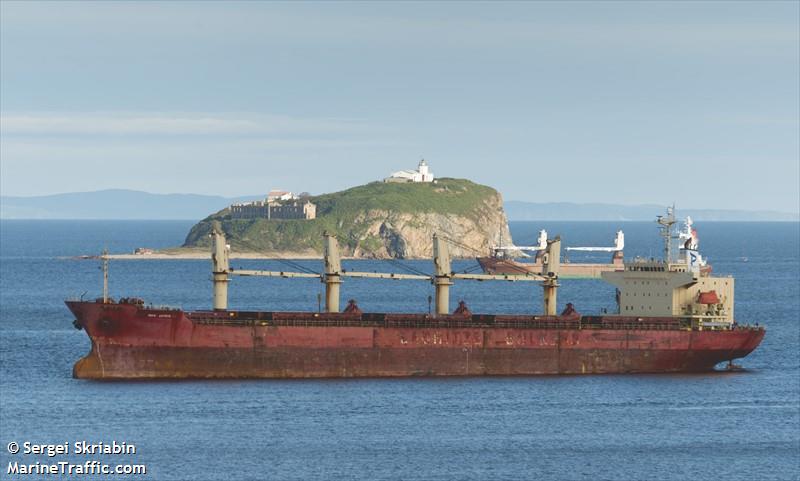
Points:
[(377, 219)]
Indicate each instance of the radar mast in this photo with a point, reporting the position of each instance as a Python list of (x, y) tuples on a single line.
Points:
[(666, 223)]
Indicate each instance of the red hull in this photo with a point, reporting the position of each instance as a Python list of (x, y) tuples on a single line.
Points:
[(129, 342)]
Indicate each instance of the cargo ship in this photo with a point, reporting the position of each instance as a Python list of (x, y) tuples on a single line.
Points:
[(672, 317), (502, 259)]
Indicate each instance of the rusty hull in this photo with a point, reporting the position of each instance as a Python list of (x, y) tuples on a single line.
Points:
[(137, 342)]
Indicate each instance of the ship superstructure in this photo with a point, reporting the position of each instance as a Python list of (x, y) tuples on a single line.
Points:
[(679, 286)]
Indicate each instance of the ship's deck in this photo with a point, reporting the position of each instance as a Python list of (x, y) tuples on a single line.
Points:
[(405, 320)]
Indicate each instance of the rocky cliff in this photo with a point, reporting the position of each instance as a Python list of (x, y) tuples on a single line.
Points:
[(377, 220)]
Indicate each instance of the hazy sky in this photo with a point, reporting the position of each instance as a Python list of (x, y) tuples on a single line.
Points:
[(697, 103)]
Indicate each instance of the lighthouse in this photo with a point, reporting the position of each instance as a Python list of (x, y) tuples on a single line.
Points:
[(422, 174)]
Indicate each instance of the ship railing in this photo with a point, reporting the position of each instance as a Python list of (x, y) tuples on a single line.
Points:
[(465, 324), (423, 321), (163, 307), (626, 323), (431, 324), (716, 325), (711, 322), (127, 301)]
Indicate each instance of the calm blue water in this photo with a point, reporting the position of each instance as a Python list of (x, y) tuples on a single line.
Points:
[(717, 426)]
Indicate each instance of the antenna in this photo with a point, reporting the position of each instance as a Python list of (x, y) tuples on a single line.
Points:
[(666, 223)]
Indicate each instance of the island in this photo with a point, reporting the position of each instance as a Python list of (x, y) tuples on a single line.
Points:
[(381, 220)]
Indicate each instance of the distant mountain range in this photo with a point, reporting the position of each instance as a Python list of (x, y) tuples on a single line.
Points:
[(132, 205), (116, 204), (517, 210)]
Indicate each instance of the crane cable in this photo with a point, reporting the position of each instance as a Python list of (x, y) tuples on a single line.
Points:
[(279, 258), (396, 262)]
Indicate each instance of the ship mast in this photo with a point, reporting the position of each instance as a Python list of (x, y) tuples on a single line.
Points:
[(442, 275), (220, 267), (333, 270), (666, 232), (104, 257), (551, 264)]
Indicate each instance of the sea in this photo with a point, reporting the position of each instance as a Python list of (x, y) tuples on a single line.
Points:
[(719, 425)]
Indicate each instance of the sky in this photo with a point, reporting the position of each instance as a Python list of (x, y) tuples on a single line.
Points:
[(621, 102)]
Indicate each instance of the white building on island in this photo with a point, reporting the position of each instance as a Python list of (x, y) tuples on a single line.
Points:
[(279, 204), (277, 195), (422, 174)]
